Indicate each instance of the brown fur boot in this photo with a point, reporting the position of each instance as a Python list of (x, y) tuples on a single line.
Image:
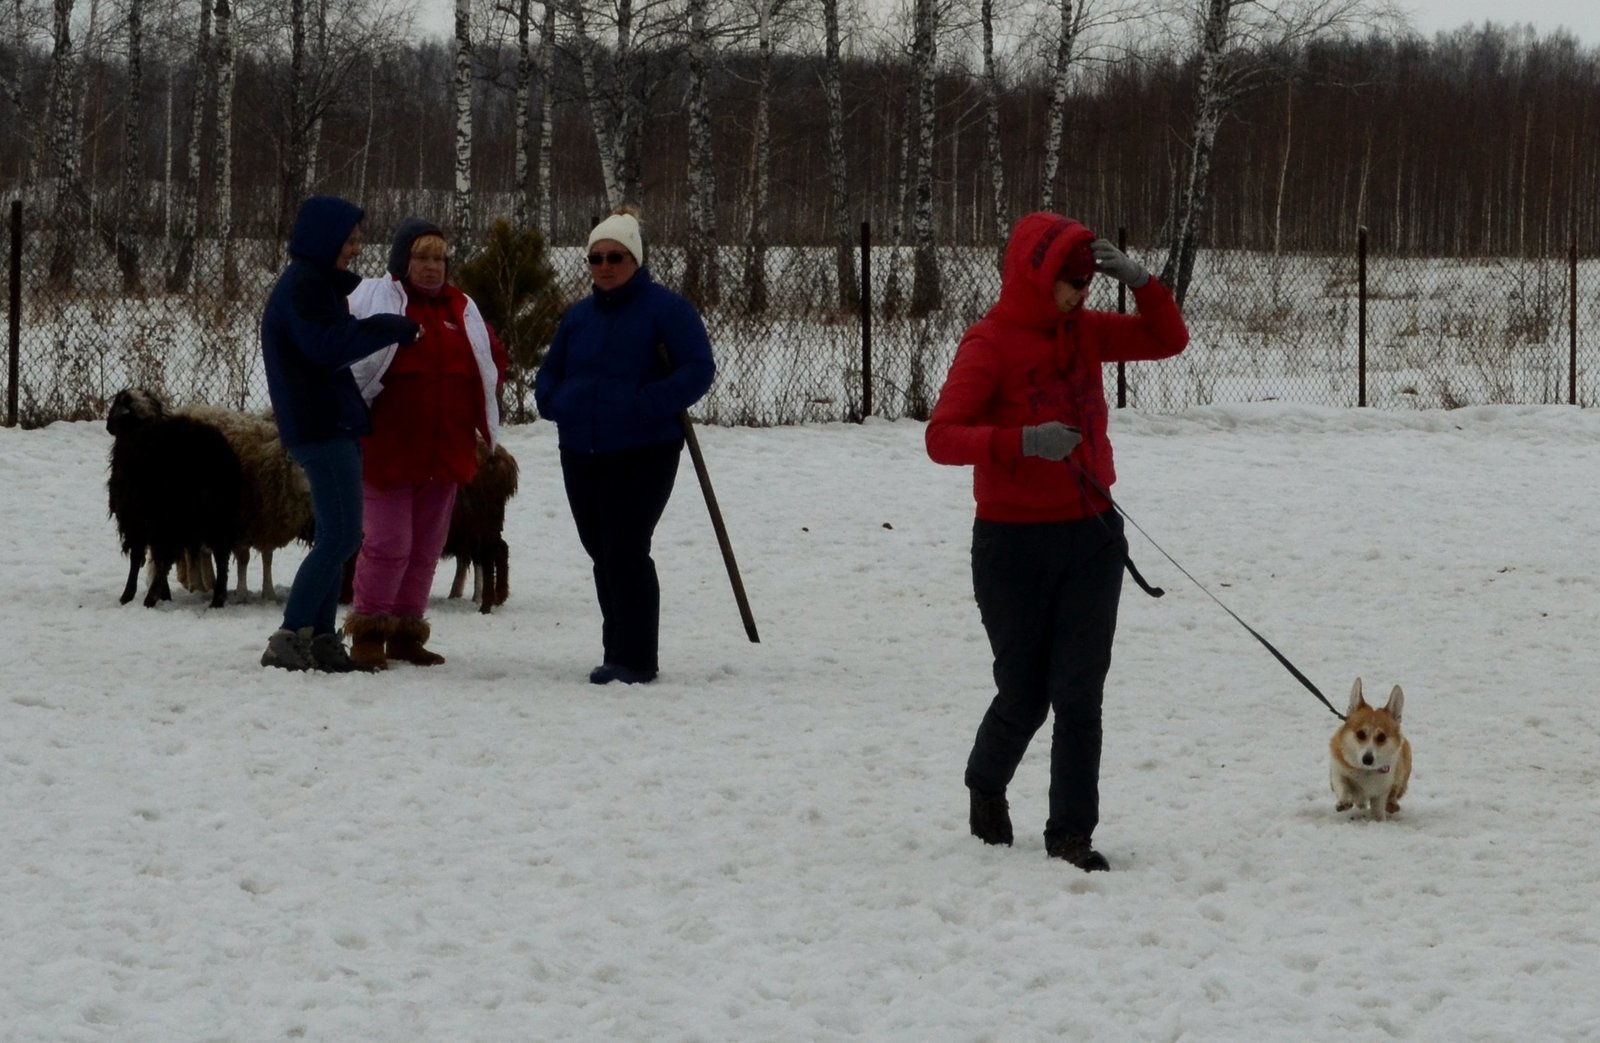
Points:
[(368, 633), (407, 641)]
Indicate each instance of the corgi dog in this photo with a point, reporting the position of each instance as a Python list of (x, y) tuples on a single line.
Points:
[(1370, 760)]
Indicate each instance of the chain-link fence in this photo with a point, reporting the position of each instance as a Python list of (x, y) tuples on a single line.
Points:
[(1317, 330)]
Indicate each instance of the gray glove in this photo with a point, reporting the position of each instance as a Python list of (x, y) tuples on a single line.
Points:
[(1051, 440), (1118, 265)]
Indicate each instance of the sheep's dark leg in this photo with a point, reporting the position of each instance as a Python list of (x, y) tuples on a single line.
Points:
[(241, 561), (159, 590), (502, 571), (459, 584), (268, 591), (135, 563), (219, 592), (483, 571)]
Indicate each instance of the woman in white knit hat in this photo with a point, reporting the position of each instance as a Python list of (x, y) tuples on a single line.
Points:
[(626, 361)]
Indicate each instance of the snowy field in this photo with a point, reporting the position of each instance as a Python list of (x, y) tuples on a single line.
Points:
[(770, 843)]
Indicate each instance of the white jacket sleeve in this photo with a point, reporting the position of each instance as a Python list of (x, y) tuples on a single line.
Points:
[(375, 297)]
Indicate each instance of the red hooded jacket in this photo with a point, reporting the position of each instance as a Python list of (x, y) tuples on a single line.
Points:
[(1025, 363)]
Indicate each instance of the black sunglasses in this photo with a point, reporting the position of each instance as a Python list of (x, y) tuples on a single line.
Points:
[(596, 260), (1079, 284)]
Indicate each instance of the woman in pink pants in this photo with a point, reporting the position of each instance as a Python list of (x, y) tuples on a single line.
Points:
[(430, 404)]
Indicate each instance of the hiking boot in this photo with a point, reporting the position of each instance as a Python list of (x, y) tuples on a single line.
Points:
[(409, 637), (605, 673), (368, 632), (990, 818), (1076, 850), (329, 656), (288, 649)]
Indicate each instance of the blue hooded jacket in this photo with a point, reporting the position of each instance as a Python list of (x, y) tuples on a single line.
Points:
[(308, 337), (603, 380)]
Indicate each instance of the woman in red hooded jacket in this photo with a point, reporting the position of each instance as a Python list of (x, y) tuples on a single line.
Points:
[(1024, 405)]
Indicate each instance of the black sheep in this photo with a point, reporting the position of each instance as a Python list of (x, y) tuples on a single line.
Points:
[(175, 487)]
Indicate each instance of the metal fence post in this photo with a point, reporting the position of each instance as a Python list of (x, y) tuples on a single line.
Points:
[(1122, 308), (1361, 315), (1572, 322), (14, 318), (866, 319)]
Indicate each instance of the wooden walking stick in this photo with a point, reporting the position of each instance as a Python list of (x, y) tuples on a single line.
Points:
[(716, 512)]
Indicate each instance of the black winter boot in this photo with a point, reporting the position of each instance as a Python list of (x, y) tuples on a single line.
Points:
[(1076, 850), (990, 818)]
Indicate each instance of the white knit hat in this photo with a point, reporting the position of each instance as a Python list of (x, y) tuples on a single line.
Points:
[(623, 228)]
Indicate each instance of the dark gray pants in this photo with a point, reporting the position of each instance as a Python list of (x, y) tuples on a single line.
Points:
[(1048, 595)]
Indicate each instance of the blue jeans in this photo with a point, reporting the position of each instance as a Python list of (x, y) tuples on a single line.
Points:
[(333, 468)]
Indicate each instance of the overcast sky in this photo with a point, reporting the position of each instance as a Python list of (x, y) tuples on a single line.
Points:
[(1580, 17)]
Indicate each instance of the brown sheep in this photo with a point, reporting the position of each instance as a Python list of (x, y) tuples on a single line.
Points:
[(477, 526)]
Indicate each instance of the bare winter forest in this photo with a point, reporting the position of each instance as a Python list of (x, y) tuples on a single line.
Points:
[(159, 147)]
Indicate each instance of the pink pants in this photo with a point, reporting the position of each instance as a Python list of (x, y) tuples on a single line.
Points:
[(404, 529)]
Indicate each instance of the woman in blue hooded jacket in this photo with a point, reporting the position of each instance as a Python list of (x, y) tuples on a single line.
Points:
[(623, 366), (308, 341)]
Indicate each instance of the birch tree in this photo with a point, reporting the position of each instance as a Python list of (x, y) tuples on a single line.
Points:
[(701, 273), (1240, 45), (522, 92), (533, 75), (130, 200), (927, 293), (222, 198), (72, 202), (316, 113), (618, 80), (297, 158), (1212, 96), (992, 144), (1068, 26), (180, 258), (601, 117), (28, 143), (323, 57), (844, 257), (755, 257), (547, 102), (461, 99)]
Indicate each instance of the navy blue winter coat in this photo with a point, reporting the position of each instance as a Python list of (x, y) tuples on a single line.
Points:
[(603, 381), (308, 337)]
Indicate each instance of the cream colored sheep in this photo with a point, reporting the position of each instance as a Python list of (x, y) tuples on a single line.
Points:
[(275, 507)]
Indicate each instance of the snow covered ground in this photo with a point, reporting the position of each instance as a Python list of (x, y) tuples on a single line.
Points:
[(770, 843)]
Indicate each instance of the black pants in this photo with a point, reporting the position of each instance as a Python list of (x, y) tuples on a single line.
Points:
[(616, 500), (1048, 594)]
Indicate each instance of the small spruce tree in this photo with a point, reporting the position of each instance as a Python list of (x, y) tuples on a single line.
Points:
[(515, 288)]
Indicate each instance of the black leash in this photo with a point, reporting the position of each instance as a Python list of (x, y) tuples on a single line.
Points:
[(1157, 592)]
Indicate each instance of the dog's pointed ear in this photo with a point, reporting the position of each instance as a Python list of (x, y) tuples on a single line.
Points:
[(1356, 700), (1396, 703)]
